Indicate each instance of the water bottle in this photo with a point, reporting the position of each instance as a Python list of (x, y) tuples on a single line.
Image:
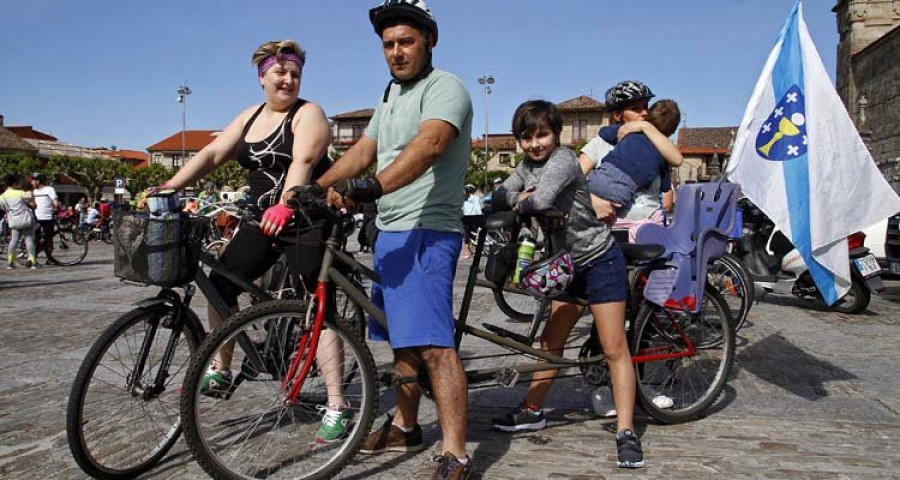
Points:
[(524, 256)]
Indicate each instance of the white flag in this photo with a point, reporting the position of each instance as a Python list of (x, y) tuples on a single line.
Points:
[(799, 158)]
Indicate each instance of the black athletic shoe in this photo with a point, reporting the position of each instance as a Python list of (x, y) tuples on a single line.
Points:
[(630, 453), (520, 419)]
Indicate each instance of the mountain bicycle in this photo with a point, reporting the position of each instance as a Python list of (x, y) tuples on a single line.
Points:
[(265, 427), (122, 415)]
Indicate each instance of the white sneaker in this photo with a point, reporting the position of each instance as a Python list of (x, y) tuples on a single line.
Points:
[(605, 407)]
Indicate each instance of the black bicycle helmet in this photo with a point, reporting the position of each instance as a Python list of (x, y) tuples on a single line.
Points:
[(628, 91), (413, 11)]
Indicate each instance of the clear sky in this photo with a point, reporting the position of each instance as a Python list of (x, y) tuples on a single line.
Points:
[(104, 72)]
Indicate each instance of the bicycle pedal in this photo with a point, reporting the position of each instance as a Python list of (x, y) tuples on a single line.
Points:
[(507, 377), (506, 333)]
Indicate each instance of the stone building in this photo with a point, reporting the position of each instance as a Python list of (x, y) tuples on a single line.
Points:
[(169, 151), (868, 76), (705, 151), (347, 128)]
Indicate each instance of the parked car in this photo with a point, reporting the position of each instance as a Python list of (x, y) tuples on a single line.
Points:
[(883, 239)]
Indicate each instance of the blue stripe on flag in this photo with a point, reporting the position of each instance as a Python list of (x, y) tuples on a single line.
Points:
[(788, 71)]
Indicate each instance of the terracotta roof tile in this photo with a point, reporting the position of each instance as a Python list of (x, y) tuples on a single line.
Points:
[(699, 140), (131, 157), (27, 131), (194, 141), (9, 141), (582, 102), (499, 141), (364, 113)]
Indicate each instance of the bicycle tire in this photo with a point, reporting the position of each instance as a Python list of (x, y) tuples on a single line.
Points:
[(268, 432), (91, 440), (66, 252), (519, 307), (731, 279), (678, 378)]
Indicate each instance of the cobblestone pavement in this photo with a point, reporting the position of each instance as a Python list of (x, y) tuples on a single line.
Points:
[(813, 395)]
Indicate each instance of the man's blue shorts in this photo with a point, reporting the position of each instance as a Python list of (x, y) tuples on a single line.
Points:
[(603, 280), (417, 268)]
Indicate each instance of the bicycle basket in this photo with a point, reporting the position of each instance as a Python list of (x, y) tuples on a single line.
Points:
[(162, 251), (501, 261)]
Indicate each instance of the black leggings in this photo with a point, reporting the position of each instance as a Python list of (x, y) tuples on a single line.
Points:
[(251, 253), (46, 233)]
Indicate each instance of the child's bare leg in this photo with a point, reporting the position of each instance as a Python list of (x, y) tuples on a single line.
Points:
[(610, 321), (562, 318)]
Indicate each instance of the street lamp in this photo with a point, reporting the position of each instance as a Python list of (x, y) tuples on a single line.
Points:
[(487, 81), (183, 91)]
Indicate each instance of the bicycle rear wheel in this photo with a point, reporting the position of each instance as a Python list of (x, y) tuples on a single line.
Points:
[(729, 277), (251, 432), (119, 431), (681, 389), (66, 249)]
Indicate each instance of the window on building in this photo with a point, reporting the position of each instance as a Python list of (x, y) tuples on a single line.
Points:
[(176, 161), (504, 158), (157, 158), (579, 130), (358, 131)]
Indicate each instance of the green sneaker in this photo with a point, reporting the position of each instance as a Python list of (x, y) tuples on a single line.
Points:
[(334, 423), (215, 383)]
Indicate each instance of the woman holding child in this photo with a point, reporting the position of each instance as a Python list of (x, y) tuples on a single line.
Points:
[(628, 103)]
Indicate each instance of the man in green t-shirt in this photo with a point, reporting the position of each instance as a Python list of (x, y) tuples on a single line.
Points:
[(419, 136)]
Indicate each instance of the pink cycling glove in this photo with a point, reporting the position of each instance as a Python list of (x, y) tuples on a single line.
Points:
[(275, 218)]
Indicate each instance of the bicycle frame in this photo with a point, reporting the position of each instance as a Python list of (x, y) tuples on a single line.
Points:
[(302, 362)]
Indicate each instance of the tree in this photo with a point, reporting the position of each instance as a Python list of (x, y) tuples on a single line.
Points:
[(229, 173), (91, 173), (152, 175), (18, 164)]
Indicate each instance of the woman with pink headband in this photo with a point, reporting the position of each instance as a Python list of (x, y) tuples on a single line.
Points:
[(283, 143)]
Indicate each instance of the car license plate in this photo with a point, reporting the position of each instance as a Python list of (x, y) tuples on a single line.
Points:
[(895, 268), (867, 265)]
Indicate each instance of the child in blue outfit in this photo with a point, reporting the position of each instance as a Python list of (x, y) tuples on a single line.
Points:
[(634, 163)]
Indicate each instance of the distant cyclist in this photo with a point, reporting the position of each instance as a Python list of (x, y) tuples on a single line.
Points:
[(47, 203), (471, 207)]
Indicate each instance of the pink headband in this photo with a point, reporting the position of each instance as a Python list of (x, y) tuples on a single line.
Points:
[(273, 59)]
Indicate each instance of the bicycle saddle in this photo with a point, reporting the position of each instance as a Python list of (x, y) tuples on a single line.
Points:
[(635, 252), (501, 220)]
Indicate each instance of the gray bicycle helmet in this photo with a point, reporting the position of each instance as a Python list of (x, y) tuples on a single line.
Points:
[(626, 92), (469, 188), (413, 11)]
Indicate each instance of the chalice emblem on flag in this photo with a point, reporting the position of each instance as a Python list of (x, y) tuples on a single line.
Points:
[(783, 135)]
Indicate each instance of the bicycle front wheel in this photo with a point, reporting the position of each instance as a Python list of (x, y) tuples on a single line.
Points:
[(249, 430), (119, 423), (66, 248), (729, 277), (679, 385), (519, 307)]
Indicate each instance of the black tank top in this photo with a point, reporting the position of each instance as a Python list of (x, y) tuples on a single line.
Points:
[(269, 159)]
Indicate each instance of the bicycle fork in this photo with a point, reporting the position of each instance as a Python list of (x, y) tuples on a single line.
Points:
[(310, 339)]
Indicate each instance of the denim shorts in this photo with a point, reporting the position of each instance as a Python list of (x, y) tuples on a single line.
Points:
[(603, 280), (417, 268)]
